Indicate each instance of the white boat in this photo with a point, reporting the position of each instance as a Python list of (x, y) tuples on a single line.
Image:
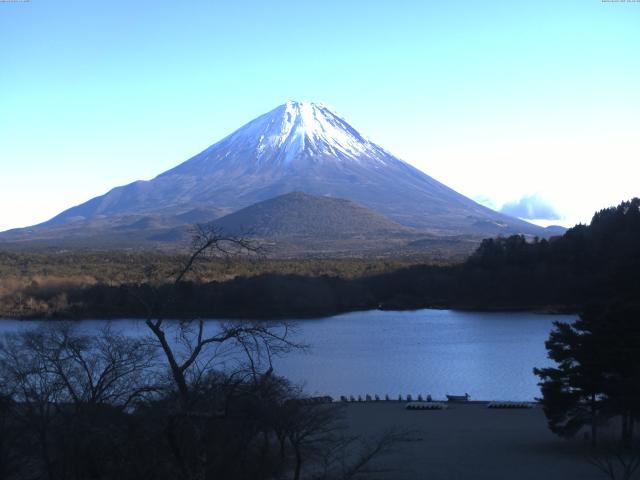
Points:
[(458, 398)]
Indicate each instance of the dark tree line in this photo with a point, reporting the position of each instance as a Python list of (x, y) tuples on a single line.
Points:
[(594, 263), (595, 382)]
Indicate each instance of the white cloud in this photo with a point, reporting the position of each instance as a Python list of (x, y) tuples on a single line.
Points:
[(531, 207)]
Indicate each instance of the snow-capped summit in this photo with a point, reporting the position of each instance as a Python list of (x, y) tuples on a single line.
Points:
[(293, 134), (301, 147), (296, 128)]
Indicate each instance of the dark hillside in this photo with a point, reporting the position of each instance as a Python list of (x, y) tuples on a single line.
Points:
[(302, 214)]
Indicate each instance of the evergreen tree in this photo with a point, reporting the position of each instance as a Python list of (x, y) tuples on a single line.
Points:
[(597, 376), (572, 392)]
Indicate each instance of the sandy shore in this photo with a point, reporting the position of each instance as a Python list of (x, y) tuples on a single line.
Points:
[(471, 442)]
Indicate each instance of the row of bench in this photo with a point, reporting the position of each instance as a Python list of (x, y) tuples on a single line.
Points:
[(387, 398)]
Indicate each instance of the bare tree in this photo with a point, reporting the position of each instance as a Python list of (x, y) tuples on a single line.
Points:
[(322, 446), (62, 382), (35, 390), (311, 429), (10, 461), (258, 340), (193, 348), (96, 407), (616, 461), (108, 368)]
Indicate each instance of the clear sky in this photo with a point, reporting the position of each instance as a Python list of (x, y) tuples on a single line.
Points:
[(514, 103)]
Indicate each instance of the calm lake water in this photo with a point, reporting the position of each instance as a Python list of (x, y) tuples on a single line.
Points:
[(488, 355)]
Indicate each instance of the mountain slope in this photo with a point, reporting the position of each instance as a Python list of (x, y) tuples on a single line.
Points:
[(301, 147), (301, 214)]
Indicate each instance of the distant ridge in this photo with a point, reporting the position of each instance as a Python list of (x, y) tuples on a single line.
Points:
[(555, 230)]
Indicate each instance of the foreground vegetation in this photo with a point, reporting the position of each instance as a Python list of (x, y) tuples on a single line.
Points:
[(184, 401), (74, 406)]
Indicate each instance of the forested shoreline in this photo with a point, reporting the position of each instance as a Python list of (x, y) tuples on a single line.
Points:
[(588, 264)]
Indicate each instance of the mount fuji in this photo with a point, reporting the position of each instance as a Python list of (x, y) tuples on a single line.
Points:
[(297, 147)]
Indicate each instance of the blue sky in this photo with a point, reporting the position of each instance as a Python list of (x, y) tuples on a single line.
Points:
[(501, 100)]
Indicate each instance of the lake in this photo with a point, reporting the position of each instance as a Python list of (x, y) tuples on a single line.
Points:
[(437, 352)]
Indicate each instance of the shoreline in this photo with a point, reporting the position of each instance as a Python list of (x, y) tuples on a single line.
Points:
[(546, 310)]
